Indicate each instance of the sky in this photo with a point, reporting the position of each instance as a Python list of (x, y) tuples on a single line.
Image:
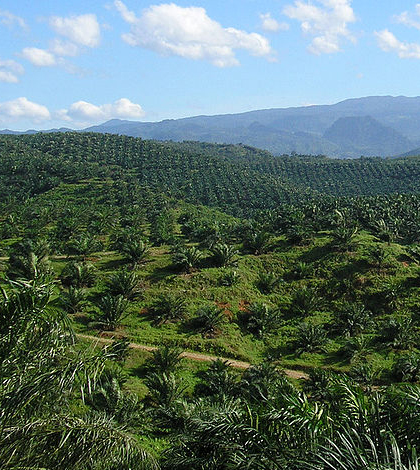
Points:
[(79, 63)]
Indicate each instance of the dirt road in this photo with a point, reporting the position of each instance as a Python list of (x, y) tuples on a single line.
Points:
[(294, 374)]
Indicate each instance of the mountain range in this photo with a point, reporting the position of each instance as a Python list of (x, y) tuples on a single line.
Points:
[(372, 126)]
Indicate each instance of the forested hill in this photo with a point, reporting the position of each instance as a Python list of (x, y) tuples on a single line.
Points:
[(238, 179)]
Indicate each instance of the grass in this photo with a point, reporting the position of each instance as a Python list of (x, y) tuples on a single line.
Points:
[(332, 274)]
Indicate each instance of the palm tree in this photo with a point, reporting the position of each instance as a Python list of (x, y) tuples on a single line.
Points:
[(352, 319), (258, 242), (407, 367), (78, 275), (217, 379), (208, 320), (167, 308), (224, 255), (135, 251), (164, 389), (73, 299), (165, 359), (261, 319), (42, 377), (305, 301), (267, 282), (229, 278), (352, 450), (187, 258), (310, 338), (29, 260), (113, 310), (125, 283), (84, 245)]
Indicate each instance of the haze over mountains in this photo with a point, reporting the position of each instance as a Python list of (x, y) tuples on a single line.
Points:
[(371, 126)]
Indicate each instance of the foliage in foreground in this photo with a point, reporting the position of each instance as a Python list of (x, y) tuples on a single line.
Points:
[(43, 381)]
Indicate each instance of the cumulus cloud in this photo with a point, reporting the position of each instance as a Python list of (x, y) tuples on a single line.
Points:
[(9, 19), (82, 29), (169, 29), (39, 57), (269, 24), (84, 112), (78, 31), (409, 19), (389, 43), (22, 108), (327, 21), (9, 71)]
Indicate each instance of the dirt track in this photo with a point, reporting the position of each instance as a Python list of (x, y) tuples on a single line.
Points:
[(294, 374)]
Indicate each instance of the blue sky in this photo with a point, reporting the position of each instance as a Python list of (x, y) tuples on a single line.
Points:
[(77, 63)]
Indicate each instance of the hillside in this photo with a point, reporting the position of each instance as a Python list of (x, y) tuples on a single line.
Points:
[(127, 267), (238, 179)]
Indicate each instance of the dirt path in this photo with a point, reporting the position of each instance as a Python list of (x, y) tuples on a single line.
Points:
[(70, 257), (293, 374)]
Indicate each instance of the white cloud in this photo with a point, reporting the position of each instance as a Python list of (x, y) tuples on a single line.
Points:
[(84, 112), (389, 43), (63, 48), (327, 22), (9, 19), (189, 33), (409, 19), (9, 71), (126, 14), (22, 108), (39, 57), (269, 24), (83, 29)]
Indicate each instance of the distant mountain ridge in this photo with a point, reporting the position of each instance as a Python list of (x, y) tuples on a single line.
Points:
[(372, 126)]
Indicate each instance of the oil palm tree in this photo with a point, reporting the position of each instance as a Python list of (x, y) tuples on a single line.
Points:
[(42, 375)]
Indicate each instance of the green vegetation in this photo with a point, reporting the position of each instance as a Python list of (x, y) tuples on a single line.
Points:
[(219, 250)]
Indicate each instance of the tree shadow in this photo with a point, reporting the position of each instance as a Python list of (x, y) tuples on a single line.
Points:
[(161, 273), (114, 264), (316, 253), (347, 271)]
